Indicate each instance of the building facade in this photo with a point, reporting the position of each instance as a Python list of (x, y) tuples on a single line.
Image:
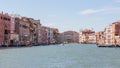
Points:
[(60, 37), (23, 30), (4, 29), (87, 36), (43, 35), (55, 35), (39, 35), (68, 37), (112, 33), (14, 36), (100, 38)]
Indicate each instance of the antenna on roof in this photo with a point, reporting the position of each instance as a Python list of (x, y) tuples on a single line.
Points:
[(2, 12)]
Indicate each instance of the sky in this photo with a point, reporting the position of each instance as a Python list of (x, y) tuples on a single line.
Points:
[(66, 14)]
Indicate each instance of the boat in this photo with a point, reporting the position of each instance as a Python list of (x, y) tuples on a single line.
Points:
[(109, 46), (62, 44)]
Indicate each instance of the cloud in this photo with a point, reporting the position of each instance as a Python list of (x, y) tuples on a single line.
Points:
[(90, 11), (93, 11)]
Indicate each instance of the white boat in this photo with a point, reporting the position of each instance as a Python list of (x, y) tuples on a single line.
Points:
[(62, 44)]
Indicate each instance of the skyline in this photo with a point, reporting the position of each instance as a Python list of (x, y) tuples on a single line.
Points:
[(60, 14)]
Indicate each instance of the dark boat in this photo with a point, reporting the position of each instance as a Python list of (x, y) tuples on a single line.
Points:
[(109, 46)]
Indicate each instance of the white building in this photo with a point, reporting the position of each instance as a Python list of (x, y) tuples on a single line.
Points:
[(50, 38), (92, 38), (87, 36)]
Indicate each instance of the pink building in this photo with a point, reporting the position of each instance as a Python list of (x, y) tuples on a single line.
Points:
[(23, 29), (39, 35), (112, 33), (60, 37), (55, 35), (100, 38), (69, 37), (4, 29), (49, 35), (43, 35), (14, 36)]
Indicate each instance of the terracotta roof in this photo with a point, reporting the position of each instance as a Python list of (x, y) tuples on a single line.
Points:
[(87, 30)]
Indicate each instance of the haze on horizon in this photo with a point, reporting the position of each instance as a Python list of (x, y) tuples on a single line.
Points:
[(67, 14)]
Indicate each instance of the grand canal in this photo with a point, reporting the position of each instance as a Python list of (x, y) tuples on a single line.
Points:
[(58, 56)]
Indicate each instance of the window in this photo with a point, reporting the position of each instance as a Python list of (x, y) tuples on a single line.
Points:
[(8, 19), (6, 25), (116, 34), (6, 31), (108, 41), (1, 18), (109, 36), (109, 30), (5, 18)]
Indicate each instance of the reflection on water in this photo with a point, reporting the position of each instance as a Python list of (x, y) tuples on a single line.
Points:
[(57, 56)]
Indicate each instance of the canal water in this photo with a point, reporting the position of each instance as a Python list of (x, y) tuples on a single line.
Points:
[(58, 56)]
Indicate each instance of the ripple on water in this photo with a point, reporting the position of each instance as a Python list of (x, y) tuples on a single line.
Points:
[(57, 56)]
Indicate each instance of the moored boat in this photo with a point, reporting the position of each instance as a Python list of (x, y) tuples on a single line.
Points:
[(108, 45)]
